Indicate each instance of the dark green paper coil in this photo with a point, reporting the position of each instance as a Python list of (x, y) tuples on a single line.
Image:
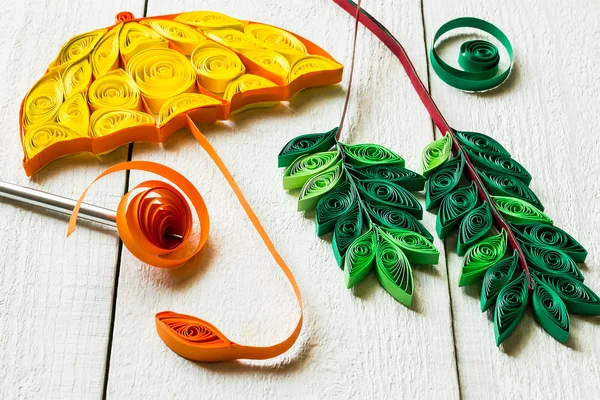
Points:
[(499, 164), (360, 258), (551, 236), (442, 181), (510, 307), (347, 228), (478, 142), (496, 278), (333, 205), (416, 248), (406, 178), (551, 261), (578, 298), (509, 185), (394, 271), (305, 144), (381, 193), (550, 311), (473, 228), (395, 218), (454, 207)]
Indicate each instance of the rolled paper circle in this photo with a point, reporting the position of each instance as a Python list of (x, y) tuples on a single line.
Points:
[(209, 20), (305, 144), (394, 271), (479, 59), (578, 298), (161, 74), (124, 16), (105, 56), (551, 236), (78, 47), (332, 206), (182, 103), (135, 37), (392, 217), (519, 211), (318, 185), (550, 311), (442, 181), (183, 36), (233, 39), (312, 63), (152, 212), (510, 307), (107, 120), (115, 89), (75, 113), (245, 83), (304, 167), (43, 100), (548, 260), (436, 153), (474, 226), (216, 66), (381, 192), (76, 77), (43, 135), (359, 258), (277, 40), (366, 154), (270, 60), (479, 142), (481, 257)]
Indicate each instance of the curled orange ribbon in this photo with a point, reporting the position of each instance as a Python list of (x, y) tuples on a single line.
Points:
[(147, 223)]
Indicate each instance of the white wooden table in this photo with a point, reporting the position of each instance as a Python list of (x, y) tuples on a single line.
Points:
[(77, 315)]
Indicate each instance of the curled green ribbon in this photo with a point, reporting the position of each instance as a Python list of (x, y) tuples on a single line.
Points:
[(479, 59)]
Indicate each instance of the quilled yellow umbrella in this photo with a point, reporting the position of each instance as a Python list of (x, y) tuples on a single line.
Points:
[(140, 79)]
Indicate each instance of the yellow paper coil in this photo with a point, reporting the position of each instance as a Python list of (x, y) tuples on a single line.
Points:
[(78, 47), (233, 39), (270, 60), (277, 40), (42, 136), (182, 35), (182, 103), (311, 64), (161, 74), (244, 83), (115, 89), (43, 100), (216, 66), (106, 121), (135, 38), (75, 114), (209, 20), (105, 56), (77, 77)]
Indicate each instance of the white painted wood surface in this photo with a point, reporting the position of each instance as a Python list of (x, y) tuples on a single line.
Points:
[(56, 294)]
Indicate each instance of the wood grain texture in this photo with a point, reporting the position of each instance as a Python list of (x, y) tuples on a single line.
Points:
[(359, 343), (546, 115), (55, 294)]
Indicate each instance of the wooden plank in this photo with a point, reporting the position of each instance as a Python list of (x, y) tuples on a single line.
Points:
[(546, 115), (355, 343), (55, 295)]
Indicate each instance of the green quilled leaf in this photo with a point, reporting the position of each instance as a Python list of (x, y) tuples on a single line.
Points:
[(306, 144), (510, 186), (442, 181), (510, 307), (394, 271), (551, 261), (474, 227), (347, 228), (395, 218), (416, 248), (482, 256), (578, 298), (381, 193), (550, 311), (480, 143), (317, 186), (307, 166), (551, 236), (360, 258), (333, 205), (454, 207), (496, 278), (435, 154), (519, 211), (371, 154), (503, 165), (406, 178)]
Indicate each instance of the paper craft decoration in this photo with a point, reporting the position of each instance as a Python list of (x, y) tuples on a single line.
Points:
[(479, 59), (526, 257), (150, 217), (138, 79)]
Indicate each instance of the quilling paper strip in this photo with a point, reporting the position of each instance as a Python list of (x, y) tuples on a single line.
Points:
[(152, 72)]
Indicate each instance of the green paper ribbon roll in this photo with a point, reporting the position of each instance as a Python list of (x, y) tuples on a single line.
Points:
[(306, 144), (371, 154), (416, 248), (519, 211), (317, 186), (359, 258), (307, 166), (347, 229), (395, 218), (496, 278), (454, 207), (578, 298), (480, 143), (383, 193), (551, 261), (406, 178), (474, 227), (333, 205), (435, 154), (442, 181), (394, 271), (479, 58), (510, 307), (482, 256), (551, 236), (550, 311)]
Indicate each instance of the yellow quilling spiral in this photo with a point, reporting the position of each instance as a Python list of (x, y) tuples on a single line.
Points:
[(270, 60), (106, 121), (277, 40), (105, 56), (43, 100), (161, 74), (43, 135), (77, 77), (309, 64), (244, 83), (78, 47), (75, 114), (135, 38), (209, 20), (182, 103), (233, 39), (182, 35), (115, 89), (216, 66)]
